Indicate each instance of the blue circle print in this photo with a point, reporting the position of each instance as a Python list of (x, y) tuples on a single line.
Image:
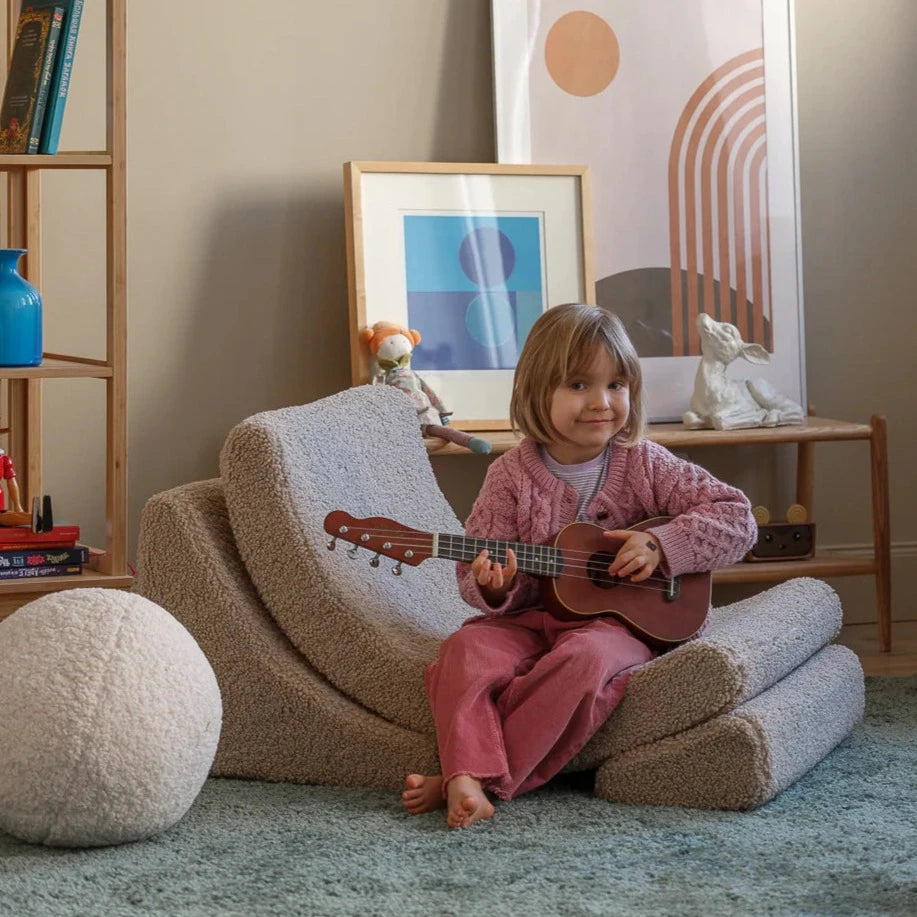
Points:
[(487, 257), (490, 320)]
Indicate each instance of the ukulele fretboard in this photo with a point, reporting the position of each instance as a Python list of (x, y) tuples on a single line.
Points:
[(540, 560)]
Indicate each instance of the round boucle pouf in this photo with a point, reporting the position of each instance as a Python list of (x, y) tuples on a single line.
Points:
[(109, 719)]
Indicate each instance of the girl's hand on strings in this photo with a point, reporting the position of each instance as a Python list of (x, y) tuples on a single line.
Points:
[(637, 557), (493, 578)]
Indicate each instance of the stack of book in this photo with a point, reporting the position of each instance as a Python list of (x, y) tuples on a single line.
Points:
[(25, 554), (38, 78)]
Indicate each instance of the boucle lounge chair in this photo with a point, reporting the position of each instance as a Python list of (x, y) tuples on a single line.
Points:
[(320, 656)]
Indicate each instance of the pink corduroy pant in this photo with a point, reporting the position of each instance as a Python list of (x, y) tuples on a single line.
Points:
[(515, 697)]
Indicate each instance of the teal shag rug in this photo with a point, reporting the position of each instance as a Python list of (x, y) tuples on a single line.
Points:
[(842, 840)]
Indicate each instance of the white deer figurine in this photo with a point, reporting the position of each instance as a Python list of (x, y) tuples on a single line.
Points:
[(729, 404)]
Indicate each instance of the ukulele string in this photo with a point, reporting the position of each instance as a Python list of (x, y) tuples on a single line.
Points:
[(409, 539), (425, 542)]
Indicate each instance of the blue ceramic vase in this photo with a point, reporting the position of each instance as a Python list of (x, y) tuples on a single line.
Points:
[(20, 314)]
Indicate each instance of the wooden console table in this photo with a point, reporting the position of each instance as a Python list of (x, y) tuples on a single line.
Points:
[(805, 435)]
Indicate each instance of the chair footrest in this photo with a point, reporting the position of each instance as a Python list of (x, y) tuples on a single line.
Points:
[(743, 758)]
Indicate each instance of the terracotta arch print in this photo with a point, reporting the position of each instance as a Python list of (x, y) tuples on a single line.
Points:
[(718, 226)]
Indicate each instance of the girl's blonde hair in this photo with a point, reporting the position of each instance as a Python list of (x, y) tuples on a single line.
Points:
[(561, 343)]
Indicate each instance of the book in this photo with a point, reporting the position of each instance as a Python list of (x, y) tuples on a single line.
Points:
[(29, 79), (63, 69), (20, 535), (43, 557), (49, 570)]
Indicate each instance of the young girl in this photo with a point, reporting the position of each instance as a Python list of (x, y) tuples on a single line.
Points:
[(517, 692)]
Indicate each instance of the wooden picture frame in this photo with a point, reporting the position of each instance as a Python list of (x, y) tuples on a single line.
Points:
[(468, 254), (687, 119)]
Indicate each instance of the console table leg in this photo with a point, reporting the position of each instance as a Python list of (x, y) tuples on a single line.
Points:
[(805, 477), (878, 444)]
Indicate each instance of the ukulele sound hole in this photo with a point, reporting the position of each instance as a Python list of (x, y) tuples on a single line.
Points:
[(597, 569)]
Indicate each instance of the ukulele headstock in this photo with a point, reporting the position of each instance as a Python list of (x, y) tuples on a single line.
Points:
[(380, 535)]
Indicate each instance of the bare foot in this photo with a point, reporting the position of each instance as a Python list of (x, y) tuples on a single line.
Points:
[(422, 794), (467, 802)]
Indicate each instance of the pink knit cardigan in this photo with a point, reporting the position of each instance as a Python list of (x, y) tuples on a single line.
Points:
[(521, 500)]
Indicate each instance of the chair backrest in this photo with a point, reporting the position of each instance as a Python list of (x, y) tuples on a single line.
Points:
[(368, 632)]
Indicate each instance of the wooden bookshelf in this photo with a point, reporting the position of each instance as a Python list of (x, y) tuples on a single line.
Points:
[(805, 435), (23, 385)]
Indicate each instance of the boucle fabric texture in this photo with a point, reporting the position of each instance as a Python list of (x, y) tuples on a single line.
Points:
[(522, 501), (282, 720), (367, 632), (744, 648), (743, 758), (109, 719)]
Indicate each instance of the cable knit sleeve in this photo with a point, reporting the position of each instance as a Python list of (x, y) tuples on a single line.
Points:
[(713, 525), (494, 515)]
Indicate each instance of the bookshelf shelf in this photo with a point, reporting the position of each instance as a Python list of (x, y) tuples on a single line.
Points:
[(14, 593), (22, 386), (812, 430), (11, 162), (85, 579), (59, 367)]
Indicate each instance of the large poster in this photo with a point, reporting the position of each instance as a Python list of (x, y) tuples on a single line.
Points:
[(685, 112)]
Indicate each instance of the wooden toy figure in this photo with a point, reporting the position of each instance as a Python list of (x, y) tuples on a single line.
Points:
[(8, 473), (40, 519)]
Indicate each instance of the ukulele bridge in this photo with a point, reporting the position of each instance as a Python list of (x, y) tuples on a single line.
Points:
[(672, 589)]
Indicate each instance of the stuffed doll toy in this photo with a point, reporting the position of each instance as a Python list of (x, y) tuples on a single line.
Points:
[(391, 347)]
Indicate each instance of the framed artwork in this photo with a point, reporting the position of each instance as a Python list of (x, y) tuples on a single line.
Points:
[(686, 117), (469, 255)]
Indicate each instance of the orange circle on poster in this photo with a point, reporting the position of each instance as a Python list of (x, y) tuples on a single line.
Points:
[(581, 53)]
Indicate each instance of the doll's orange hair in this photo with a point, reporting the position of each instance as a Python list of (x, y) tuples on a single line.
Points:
[(381, 330)]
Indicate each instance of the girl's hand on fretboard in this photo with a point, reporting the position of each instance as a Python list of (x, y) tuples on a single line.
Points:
[(494, 579)]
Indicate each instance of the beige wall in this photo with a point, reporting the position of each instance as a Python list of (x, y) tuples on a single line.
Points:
[(237, 290)]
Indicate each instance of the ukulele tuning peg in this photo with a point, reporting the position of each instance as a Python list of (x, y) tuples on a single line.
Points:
[(396, 570), (352, 553), (375, 561), (331, 544)]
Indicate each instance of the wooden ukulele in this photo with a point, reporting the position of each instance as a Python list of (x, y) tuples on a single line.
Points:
[(573, 570)]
